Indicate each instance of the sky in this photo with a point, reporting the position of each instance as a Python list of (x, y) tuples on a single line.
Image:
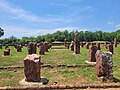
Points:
[(39, 17)]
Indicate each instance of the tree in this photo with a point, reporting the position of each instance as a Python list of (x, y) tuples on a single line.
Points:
[(1, 32)]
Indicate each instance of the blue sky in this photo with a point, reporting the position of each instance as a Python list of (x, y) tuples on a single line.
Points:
[(38, 17)]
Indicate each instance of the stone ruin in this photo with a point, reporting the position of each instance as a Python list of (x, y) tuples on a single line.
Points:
[(65, 40), (72, 46), (0, 46), (110, 48), (115, 42), (76, 44), (32, 68), (42, 50), (106, 43), (7, 52), (87, 45), (32, 48), (98, 45), (82, 44), (46, 46), (104, 66), (6, 46), (49, 45), (19, 48), (92, 52)]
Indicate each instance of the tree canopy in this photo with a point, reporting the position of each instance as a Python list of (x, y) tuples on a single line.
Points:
[(1, 32)]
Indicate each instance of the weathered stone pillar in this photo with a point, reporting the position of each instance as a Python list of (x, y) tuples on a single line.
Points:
[(42, 50), (6, 46), (72, 46), (32, 48), (65, 40), (104, 66), (82, 44), (19, 48), (32, 68), (92, 52), (87, 45), (76, 44), (0, 46), (110, 48), (115, 42), (7, 52), (45, 47), (98, 45)]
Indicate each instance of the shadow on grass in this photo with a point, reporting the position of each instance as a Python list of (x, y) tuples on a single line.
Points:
[(116, 80)]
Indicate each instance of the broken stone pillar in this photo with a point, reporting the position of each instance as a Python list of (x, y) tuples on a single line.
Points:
[(104, 66), (42, 51), (46, 47), (6, 46), (19, 48), (72, 46), (110, 48), (106, 43), (82, 44), (32, 48), (49, 45), (0, 46), (98, 45), (92, 52), (87, 45), (65, 42), (32, 68), (115, 42), (76, 44), (7, 52)]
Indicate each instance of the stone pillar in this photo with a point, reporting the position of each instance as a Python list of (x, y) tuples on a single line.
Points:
[(7, 52), (115, 42), (32, 48), (92, 52), (46, 47), (98, 45), (87, 45), (32, 68), (72, 46), (19, 48), (110, 48), (82, 44), (49, 45), (106, 43), (104, 66), (6, 46), (65, 42), (42, 51), (76, 44), (0, 46)]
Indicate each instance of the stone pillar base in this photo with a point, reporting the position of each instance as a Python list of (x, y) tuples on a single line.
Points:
[(25, 83)]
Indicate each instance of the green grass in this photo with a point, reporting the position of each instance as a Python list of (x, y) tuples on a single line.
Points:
[(61, 75)]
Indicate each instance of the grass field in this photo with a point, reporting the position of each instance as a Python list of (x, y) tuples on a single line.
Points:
[(59, 75)]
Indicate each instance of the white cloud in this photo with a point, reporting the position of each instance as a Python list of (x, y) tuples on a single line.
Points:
[(117, 27)]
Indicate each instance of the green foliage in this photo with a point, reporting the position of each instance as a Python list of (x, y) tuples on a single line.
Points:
[(87, 36), (1, 32)]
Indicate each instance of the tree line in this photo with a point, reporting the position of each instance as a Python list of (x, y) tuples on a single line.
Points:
[(86, 36)]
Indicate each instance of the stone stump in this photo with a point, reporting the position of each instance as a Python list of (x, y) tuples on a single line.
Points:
[(19, 48), (98, 45), (0, 46), (115, 42), (104, 66), (76, 44), (92, 52), (82, 44), (32, 48), (87, 45), (72, 46), (6, 46), (46, 47), (65, 40), (110, 48), (32, 68), (7, 52), (42, 51)]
